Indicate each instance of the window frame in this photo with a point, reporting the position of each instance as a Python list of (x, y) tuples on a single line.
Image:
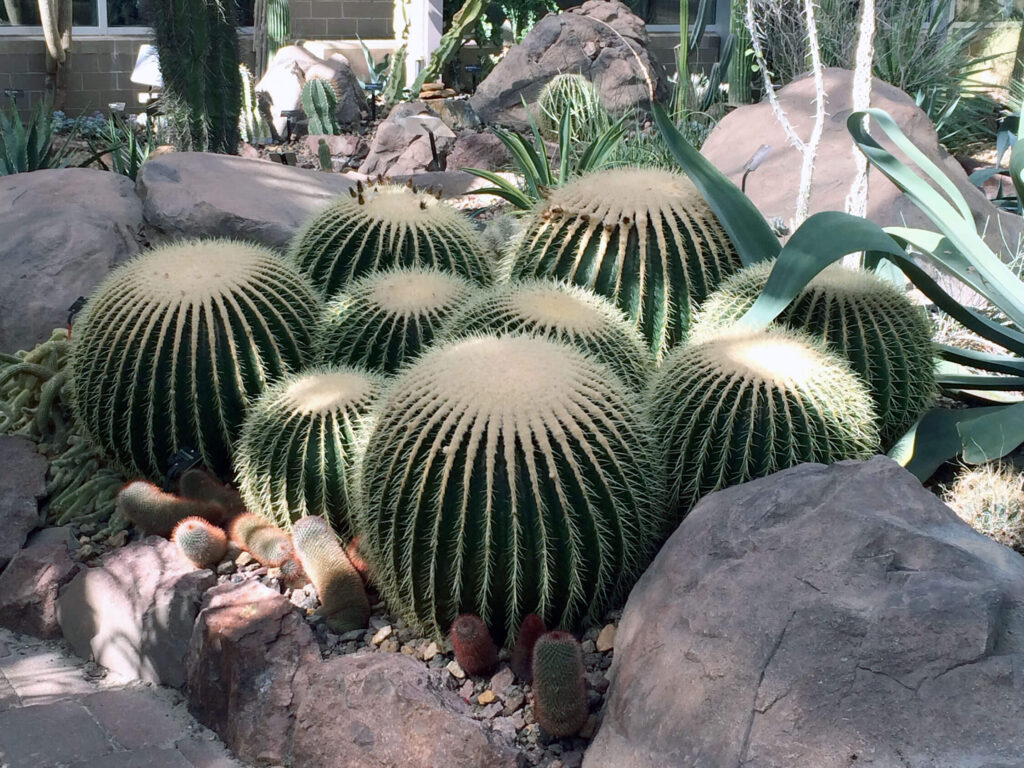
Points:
[(720, 27), (101, 29)]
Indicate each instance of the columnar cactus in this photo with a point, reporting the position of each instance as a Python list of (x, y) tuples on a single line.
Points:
[(340, 588), (172, 345), (473, 646), (869, 321), (202, 543), (382, 226), (320, 102), (155, 512), (506, 476), (522, 652), (386, 318), (559, 684), (299, 442), (256, 535), (745, 404), (643, 238), (559, 312)]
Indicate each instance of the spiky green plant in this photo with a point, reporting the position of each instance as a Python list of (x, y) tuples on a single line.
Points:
[(506, 476), (866, 319), (299, 443), (172, 345), (320, 103), (386, 318), (261, 538), (559, 312), (156, 512), (643, 238), (203, 544), (382, 226), (743, 404), (575, 95), (338, 585), (559, 684)]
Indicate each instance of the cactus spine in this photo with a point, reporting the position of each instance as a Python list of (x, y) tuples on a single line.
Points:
[(474, 649), (559, 684), (320, 103), (507, 476), (202, 544), (267, 543), (385, 318), (522, 652), (299, 443), (172, 345), (157, 513), (643, 238), (338, 584), (382, 226)]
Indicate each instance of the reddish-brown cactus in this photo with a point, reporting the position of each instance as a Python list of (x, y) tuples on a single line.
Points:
[(474, 648), (522, 652)]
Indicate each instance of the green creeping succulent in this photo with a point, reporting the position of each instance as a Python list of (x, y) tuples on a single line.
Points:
[(172, 345), (385, 318), (299, 442), (382, 226), (867, 320), (559, 312), (643, 238), (320, 102), (339, 586), (559, 684), (744, 404), (507, 476)]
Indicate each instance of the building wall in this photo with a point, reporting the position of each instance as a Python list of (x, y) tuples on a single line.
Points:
[(341, 19)]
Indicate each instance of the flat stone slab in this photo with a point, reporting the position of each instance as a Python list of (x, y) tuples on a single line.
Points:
[(51, 735), (22, 485)]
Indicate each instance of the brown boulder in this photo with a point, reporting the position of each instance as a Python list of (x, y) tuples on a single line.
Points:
[(401, 145), (481, 150), (29, 587)]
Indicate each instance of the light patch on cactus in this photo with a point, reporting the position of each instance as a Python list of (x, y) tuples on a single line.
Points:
[(194, 271), (415, 292), (783, 362), (507, 476), (327, 391)]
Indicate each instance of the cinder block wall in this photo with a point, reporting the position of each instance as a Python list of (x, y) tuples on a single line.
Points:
[(341, 19)]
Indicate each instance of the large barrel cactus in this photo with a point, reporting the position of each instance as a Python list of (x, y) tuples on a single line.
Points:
[(387, 225), (884, 335), (745, 404), (564, 313), (643, 238), (172, 345), (507, 476), (386, 318), (299, 442)]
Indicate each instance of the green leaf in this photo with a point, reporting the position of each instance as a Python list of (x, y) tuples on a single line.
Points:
[(936, 439), (991, 436), (502, 188)]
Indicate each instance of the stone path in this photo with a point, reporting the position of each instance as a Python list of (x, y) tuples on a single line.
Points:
[(57, 711)]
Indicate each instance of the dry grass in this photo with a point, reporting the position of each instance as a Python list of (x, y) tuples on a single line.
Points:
[(990, 498)]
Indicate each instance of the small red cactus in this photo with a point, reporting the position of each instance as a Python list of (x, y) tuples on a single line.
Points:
[(474, 648), (260, 538), (202, 543), (522, 653)]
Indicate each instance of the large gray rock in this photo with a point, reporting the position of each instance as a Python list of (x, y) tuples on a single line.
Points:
[(198, 194), (481, 150), (401, 145), (134, 612), (22, 485), (63, 231), (29, 586), (821, 617), (601, 40)]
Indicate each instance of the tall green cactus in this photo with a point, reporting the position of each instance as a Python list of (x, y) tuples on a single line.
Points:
[(197, 44), (320, 103), (739, 69), (173, 344), (279, 25), (299, 443), (643, 238), (507, 476), (382, 226)]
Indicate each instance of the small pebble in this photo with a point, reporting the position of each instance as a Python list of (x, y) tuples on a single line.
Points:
[(408, 650), (119, 539), (486, 697), (490, 711), (502, 680), (513, 702), (573, 759), (243, 559), (225, 568), (429, 652), (389, 646), (597, 681), (466, 691), (455, 670), (378, 622), (587, 731), (381, 634), (355, 634), (588, 646), (606, 640)]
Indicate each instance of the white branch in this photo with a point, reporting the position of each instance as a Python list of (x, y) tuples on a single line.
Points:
[(811, 149), (857, 199), (769, 87)]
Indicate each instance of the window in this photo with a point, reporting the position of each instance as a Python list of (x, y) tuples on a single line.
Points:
[(97, 15), (662, 14)]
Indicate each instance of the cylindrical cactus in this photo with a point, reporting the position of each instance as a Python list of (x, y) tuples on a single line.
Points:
[(155, 512), (256, 535), (643, 238), (869, 321), (386, 225), (386, 318), (745, 404), (559, 684), (320, 102), (522, 652), (473, 646), (506, 476), (172, 345), (338, 584), (197, 483), (299, 443), (559, 312), (202, 544)]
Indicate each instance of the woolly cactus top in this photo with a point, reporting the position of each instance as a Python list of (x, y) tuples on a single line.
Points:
[(400, 204), (551, 306), (326, 391)]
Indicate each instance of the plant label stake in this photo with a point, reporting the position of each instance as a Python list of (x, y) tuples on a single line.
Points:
[(73, 310), (183, 460)]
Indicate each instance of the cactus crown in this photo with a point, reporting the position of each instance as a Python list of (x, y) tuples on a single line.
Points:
[(387, 225), (386, 318), (643, 238), (507, 475)]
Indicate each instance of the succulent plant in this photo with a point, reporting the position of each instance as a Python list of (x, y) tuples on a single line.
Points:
[(744, 404), (866, 319), (559, 312), (559, 684), (522, 652), (197, 483), (172, 344), (202, 543), (473, 646), (381, 226), (155, 512), (340, 588), (386, 318), (256, 535), (643, 238), (506, 476), (292, 573), (299, 442), (320, 102)]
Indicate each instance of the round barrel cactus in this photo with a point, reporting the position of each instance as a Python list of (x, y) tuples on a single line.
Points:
[(643, 238), (869, 321), (382, 226), (172, 345), (559, 312), (386, 318), (745, 404), (299, 442), (507, 476)]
